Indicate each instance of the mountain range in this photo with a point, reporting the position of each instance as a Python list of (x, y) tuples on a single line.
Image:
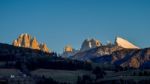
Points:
[(121, 53)]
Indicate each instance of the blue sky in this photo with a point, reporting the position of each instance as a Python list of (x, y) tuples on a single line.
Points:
[(61, 22)]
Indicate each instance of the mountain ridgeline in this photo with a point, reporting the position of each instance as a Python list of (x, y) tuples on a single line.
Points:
[(120, 53)]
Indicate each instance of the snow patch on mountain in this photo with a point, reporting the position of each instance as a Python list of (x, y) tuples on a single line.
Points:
[(124, 43)]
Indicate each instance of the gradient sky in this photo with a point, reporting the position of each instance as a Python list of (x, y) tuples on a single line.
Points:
[(61, 22)]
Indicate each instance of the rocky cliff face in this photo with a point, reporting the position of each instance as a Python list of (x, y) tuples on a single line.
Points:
[(68, 48), (135, 58), (34, 44), (89, 44), (25, 40), (97, 52)]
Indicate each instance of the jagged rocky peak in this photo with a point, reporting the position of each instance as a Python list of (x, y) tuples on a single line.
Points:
[(15, 43), (68, 48), (25, 40), (124, 43), (34, 44), (69, 51), (89, 44), (44, 47)]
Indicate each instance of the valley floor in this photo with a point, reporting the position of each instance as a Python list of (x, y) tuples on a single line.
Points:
[(14, 76)]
